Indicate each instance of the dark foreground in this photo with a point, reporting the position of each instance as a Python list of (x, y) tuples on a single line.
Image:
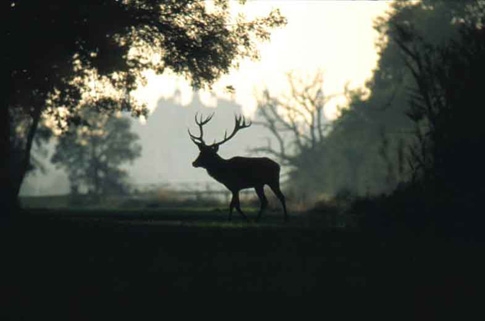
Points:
[(72, 264)]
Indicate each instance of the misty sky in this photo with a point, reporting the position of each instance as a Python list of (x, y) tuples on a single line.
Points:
[(336, 37)]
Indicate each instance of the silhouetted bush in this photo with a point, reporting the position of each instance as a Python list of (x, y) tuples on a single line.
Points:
[(404, 210), (336, 211)]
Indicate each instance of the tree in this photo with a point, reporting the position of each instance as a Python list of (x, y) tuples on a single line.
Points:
[(63, 47), (298, 124), (374, 130), (92, 153), (446, 105)]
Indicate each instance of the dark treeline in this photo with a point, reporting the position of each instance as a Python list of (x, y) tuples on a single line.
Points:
[(410, 151), (370, 140), (431, 123)]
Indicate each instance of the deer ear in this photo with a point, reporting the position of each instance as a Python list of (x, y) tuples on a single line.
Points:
[(215, 148)]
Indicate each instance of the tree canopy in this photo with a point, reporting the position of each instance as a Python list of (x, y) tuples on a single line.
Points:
[(92, 154), (376, 129), (418, 134), (59, 44)]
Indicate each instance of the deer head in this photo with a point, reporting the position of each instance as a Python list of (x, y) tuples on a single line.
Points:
[(208, 153)]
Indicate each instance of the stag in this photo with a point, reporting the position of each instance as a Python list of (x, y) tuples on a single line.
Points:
[(238, 173)]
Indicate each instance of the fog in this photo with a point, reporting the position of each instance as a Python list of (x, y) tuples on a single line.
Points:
[(167, 151)]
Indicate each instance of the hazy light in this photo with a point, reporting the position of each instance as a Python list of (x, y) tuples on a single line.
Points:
[(336, 37)]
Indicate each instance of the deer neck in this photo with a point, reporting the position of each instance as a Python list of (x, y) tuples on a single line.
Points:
[(218, 167)]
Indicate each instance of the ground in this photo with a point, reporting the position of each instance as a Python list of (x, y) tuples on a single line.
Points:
[(75, 261)]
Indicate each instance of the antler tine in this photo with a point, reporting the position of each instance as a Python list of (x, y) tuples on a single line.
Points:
[(244, 125), (203, 121), (240, 123), (200, 122), (194, 138)]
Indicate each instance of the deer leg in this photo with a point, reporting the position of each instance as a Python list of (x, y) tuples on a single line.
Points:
[(277, 191), (231, 206), (262, 198), (235, 203)]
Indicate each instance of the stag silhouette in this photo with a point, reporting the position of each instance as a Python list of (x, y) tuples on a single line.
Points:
[(238, 173)]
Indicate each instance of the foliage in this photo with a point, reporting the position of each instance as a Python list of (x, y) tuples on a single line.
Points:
[(92, 153), (444, 191), (374, 133), (79, 42), (446, 157)]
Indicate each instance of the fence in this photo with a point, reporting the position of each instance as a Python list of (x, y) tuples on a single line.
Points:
[(192, 190)]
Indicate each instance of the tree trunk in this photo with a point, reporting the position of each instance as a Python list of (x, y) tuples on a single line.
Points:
[(25, 160), (8, 199), (12, 174)]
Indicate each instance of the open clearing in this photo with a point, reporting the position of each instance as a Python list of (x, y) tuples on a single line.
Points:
[(84, 257)]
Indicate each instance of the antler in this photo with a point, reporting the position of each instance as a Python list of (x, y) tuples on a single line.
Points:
[(240, 124), (200, 122)]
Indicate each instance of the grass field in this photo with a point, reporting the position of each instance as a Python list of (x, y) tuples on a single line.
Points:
[(75, 261)]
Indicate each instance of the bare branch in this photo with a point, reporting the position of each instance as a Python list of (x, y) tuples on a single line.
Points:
[(271, 125), (299, 115)]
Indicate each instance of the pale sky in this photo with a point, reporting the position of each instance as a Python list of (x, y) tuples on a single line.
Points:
[(336, 37)]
